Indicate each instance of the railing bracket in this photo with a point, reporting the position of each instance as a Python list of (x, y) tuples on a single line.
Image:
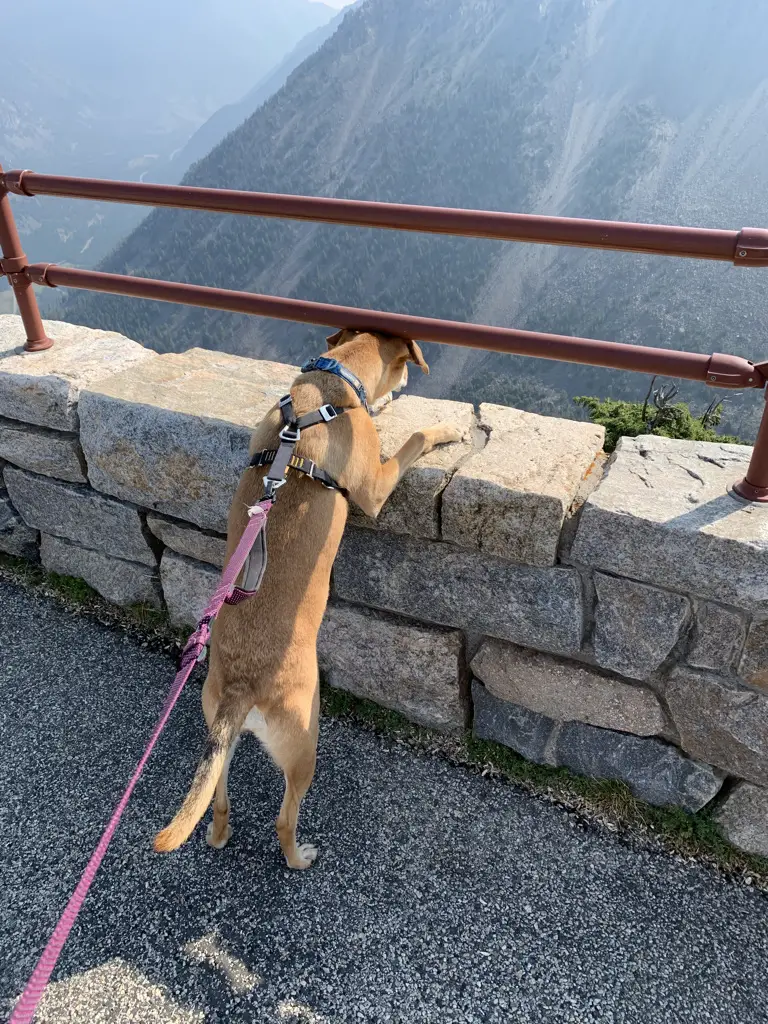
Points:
[(13, 265), (37, 273), (751, 248), (725, 371), (12, 181)]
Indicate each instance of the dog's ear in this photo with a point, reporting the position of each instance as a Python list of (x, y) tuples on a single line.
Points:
[(415, 356), (340, 337)]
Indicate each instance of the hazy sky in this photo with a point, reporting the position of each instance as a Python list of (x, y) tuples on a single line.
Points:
[(335, 3)]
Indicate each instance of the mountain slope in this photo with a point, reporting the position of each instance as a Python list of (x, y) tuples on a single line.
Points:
[(231, 115), (601, 108), (113, 90)]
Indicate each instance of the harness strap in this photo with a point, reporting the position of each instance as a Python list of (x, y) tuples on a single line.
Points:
[(324, 414), (292, 422), (298, 462), (333, 366), (282, 459)]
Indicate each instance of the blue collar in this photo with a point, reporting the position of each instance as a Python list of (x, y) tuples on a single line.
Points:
[(326, 365)]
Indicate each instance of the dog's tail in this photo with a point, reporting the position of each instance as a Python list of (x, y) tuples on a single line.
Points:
[(223, 732)]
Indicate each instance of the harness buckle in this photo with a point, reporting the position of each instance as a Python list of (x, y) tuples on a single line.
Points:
[(290, 434), (328, 412)]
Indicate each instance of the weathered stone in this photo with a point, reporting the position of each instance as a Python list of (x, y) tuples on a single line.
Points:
[(44, 387), (654, 771), (173, 434), (411, 669), (721, 722), (661, 514), (718, 638), (187, 587), (636, 626), (566, 691), (753, 667), (79, 514), (118, 581), (48, 452), (744, 818), (511, 498), (189, 541), (16, 538), (413, 506), (518, 728), (583, 491), (439, 583)]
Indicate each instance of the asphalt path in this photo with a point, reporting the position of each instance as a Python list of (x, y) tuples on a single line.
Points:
[(438, 895)]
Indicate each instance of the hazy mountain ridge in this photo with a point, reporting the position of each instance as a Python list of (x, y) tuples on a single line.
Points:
[(232, 115), (117, 90), (602, 108)]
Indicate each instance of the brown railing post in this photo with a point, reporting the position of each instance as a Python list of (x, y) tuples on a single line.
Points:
[(754, 486), (12, 264)]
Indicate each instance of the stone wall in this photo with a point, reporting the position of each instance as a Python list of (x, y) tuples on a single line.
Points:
[(608, 617)]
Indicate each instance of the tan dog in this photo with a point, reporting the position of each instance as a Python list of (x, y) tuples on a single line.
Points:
[(263, 674)]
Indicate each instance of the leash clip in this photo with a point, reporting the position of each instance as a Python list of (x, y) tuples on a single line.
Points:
[(270, 486)]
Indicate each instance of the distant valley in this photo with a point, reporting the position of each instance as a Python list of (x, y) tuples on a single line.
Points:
[(135, 91)]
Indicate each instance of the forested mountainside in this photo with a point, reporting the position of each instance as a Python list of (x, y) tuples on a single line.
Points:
[(116, 90), (650, 111)]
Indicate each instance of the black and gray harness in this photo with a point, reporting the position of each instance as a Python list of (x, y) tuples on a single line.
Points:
[(284, 458)]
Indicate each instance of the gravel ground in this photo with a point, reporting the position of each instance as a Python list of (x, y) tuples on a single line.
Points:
[(438, 895)]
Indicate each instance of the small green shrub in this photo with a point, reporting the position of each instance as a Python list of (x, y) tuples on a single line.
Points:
[(658, 414)]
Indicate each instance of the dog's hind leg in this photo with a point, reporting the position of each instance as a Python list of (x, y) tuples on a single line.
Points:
[(298, 771), (219, 831), (293, 747), (225, 717)]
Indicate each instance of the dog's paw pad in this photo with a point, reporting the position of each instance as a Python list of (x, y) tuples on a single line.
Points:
[(218, 843), (306, 857)]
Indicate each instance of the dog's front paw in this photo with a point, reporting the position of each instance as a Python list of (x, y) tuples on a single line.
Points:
[(444, 433), (305, 857), (381, 403)]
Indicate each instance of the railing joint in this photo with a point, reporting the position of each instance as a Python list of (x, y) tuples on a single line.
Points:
[(13, 181), (751, 248), (13, 265), (37, 273), (726, 371)]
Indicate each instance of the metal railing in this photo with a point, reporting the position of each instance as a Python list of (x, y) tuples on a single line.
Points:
[(746, 248)]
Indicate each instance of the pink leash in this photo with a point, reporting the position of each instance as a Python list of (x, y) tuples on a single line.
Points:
[(195, 646)]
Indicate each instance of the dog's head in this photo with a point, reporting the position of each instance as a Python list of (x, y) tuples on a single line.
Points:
[(392, 355)]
